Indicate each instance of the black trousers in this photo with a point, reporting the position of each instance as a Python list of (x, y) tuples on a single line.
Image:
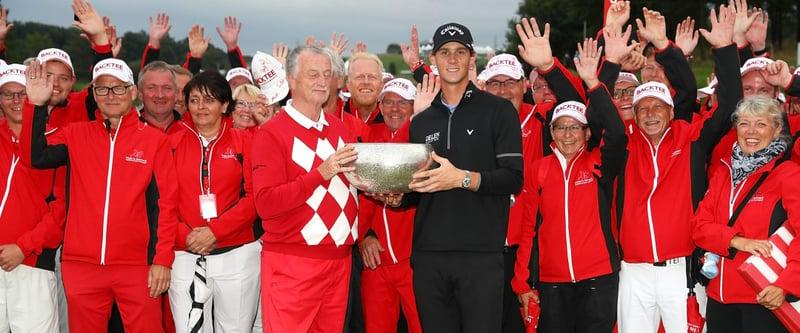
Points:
[(459, 291), (512, 317), (585, 306), (741, 318)]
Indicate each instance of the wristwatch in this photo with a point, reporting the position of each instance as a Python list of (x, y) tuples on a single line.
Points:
[(466, 182)]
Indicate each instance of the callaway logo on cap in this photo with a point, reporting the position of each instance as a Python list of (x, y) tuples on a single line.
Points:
[(452, 32)]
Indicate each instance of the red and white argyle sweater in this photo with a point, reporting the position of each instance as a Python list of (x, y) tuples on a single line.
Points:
[(303, 214)]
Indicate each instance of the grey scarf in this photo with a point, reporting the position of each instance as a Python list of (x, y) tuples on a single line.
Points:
[(743, 165)]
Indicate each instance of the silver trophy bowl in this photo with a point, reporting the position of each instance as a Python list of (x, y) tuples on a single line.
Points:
[(387, 167)]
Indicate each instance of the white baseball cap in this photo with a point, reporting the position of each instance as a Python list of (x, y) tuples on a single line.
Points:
[(54, 54), (270, 75), (114, 67), (399, 86), (709, 89), (238, 71), (653, 89), (753, 64), (504, 64), (386, 76), (576, 110), (627, 77), (12, 73)]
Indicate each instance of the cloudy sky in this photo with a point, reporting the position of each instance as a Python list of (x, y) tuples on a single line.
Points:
[(375, 22)]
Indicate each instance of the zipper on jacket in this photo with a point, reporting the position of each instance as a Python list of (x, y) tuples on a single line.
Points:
[(721, 272), (14, 161), (567, 175), (654, 156), (388, 236), (112, 139), (449, 121)]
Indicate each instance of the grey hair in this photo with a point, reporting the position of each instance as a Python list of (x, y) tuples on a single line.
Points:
[(337, 64), (294, 55), (760, 106), (160, 66)]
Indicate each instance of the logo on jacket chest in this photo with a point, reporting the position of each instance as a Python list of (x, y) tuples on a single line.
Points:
[(583, 178), (228, 154), (136, 156), (430, 138), (757, 197)]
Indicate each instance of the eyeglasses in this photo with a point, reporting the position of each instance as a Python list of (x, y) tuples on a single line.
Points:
[(117, 90), (505, 84), (571, 129), (542, 88), (402, 103), (245, 104), (9, 95), (627, 91)]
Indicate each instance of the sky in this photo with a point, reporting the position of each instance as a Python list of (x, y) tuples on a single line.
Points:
[(375, 22)]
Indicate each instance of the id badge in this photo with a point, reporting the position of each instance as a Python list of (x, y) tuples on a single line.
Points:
[(208, 206)]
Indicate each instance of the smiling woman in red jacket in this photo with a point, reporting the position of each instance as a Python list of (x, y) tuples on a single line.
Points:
[(216, 213), (733, 306)]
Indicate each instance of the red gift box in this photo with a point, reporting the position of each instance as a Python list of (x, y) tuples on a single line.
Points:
[(761, 272)]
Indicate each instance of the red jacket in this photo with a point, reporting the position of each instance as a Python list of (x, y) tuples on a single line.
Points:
[(25, 218), (662, 184), (122, 192), (759, 215), (572, 198), (229, 179), (302, 213), (393, 227)]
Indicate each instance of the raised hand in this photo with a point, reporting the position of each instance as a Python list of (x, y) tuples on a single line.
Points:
[(587, 60), (158, 29), (686, 37), (280, 52), (198, 43), (338, 45), (89, 22), (535, 48), (633, 62), (359, 48), (721, 33), (618, 14), (116, 42), (654, 28), (4, 25), (742, 21), (230, 35), (617, 47), (757, 34), (426, 92), (38, 85), (777, 74), (411, 51)]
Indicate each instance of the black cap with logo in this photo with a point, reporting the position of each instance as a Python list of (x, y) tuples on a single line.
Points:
[(452, 32)]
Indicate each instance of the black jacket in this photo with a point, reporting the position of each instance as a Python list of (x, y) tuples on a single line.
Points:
[(482, 135)]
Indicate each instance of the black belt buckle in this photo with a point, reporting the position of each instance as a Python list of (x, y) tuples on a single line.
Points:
[(660, 264)]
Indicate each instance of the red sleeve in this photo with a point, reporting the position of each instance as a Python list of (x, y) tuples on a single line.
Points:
[(165, 174), (366, 212), (530, 208), (789, 279), (49, 232), (275, 193), (711, 232), (243, 213)]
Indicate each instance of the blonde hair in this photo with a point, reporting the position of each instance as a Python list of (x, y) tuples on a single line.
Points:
[(248, 89), (760, 106), (364, 56)]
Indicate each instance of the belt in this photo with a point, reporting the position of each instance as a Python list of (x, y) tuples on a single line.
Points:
[(669, 262)]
